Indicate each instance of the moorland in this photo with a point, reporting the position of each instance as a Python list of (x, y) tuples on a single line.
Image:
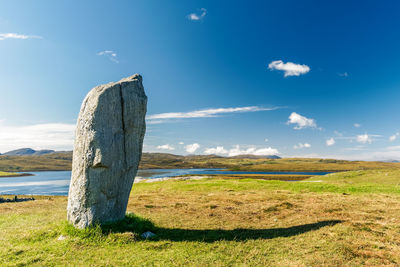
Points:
[(340, 219), (345, 218), (63, 161)]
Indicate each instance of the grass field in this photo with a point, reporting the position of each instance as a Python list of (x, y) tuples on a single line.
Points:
[(343, 219), (279, 177)]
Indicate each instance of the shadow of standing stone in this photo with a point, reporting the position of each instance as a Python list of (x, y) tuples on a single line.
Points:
[(108, 147)]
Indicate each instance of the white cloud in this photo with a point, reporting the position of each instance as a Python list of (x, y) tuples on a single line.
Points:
[(394, 137), (344, 74), (357, 125), (110, 54), (166, 147), (191, 148), (266, 140), (330, 142), (219, 150), (4, 36), (57, 136), (197, 16), (289, 68), (300, 146), (204, 113), (364, 138), (301, 121), (181, 143), (236, 151), (267, 151)]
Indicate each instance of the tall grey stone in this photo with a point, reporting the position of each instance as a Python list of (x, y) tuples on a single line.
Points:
[(108, 147)]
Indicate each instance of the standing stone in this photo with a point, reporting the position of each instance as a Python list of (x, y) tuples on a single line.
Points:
[(108, 147)]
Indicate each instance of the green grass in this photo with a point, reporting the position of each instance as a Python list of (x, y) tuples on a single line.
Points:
[(279, 177), (9, 174), (375, 177), (348, 219)]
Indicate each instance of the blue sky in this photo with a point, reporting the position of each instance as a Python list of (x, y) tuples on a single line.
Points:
[(294, 78)]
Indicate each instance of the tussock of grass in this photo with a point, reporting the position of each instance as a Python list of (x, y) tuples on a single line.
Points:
[(128, 230)]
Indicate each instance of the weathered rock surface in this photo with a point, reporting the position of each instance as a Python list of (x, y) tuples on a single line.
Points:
[(108, 147)]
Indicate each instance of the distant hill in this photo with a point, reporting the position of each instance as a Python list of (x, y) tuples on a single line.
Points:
[(28, 152), (62, 160)]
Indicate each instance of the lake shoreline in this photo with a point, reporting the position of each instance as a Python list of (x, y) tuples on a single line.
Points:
[(221, 169), (17, 175), (57, 183)]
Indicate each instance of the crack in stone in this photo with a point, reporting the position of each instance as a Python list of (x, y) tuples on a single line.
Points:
[(123, 123)]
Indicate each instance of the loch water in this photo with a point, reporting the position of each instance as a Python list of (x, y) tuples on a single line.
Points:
[(57, 182)]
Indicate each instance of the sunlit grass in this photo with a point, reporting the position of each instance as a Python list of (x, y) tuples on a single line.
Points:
[(348, 220), (8, 174)]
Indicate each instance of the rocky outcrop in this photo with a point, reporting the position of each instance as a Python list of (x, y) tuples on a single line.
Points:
[(108, 147)]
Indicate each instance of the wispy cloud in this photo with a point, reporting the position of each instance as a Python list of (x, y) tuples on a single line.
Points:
[(355, 148), (166, 147), (57, 136), (289, 68), (4, 36), (362, 153), (361, 138), (301, 146), (392, 153), (343, 74), (203, 113), (393, 148), (338, 133), (357, 125), (301, 121), (197, 16), (110, 54)]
